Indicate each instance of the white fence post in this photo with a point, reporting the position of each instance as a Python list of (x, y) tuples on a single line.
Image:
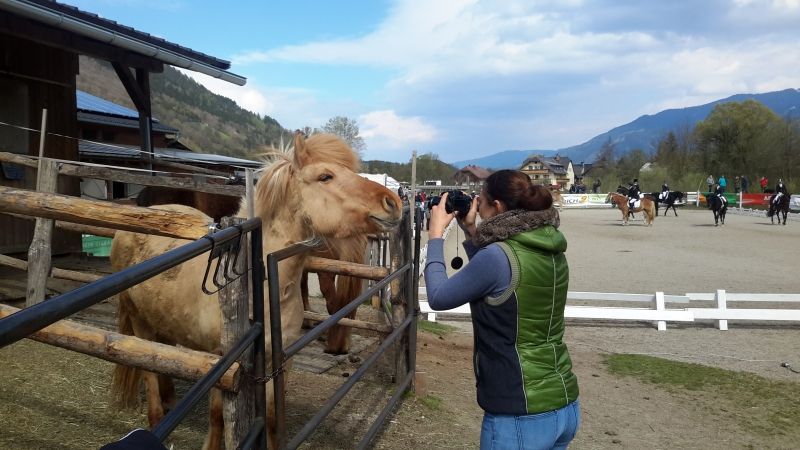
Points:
[(722, 303), (659, 300)]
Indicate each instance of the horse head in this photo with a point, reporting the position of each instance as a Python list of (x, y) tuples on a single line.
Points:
[(319, 179)]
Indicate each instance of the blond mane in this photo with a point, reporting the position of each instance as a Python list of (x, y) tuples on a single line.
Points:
[(275, 177)]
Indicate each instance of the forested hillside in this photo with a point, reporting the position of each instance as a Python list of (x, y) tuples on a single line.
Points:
[(208, 123), (429, 167)]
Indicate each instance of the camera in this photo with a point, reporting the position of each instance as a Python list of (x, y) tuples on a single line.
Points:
[(457, 201)]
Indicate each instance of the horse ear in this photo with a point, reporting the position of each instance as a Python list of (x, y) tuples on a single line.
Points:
[(301, 156)]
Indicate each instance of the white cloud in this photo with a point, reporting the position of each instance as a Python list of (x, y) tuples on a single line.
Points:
[(386, 128)]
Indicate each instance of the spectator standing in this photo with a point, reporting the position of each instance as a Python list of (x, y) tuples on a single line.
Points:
[(595, 185), (737, 184), (710, 181), (525, 382), (763, 183), (745, 184), (723, 183)]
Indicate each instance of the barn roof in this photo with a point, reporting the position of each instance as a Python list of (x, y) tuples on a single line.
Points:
[(89, 25), (478, 172), (117, 151), (96, 110)]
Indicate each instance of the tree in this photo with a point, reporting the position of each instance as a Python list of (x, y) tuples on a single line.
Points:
[(737, 137), (347, 129)]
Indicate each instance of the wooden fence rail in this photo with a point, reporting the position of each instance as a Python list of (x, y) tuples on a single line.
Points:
[(658, 312)]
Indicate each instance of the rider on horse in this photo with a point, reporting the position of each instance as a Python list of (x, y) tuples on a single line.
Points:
[(719, 192), (633, 193), (780, 191), (664, 192)]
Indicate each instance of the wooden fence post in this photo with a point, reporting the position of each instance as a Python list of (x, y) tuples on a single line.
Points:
[(401, 254), (659, 300), (39, 254), (238, 409), (722, 303)]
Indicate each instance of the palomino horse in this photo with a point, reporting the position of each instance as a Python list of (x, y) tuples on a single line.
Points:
[(647, 207), (312, 193), (781, 206), (719, 208)]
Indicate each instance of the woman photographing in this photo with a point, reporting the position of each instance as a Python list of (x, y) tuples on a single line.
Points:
[(516, 284)]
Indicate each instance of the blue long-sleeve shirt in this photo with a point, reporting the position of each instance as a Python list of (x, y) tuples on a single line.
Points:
[(487, 274)]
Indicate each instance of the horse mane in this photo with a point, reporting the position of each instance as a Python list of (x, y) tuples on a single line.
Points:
[(275, 177)]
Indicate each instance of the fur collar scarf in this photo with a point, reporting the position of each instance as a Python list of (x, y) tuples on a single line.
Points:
[(510, 223)]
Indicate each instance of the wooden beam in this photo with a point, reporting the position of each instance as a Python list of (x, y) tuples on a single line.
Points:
[(39, 253), (103, 214), (65, 40), (69, 226), (131, 351), (104, 173), (134, 91), (317, 264), (352, 323), (54, 272)]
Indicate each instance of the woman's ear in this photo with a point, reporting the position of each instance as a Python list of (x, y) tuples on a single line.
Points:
[(499, 206)]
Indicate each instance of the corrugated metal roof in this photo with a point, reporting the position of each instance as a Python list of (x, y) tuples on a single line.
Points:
[(129, 152), (91, 103), (93, 109)]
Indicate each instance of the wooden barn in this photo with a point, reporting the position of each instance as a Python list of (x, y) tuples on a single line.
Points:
[(471, 177), (40, 41)]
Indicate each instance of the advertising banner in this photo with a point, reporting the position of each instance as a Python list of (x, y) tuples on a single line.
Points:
[(584, 201)]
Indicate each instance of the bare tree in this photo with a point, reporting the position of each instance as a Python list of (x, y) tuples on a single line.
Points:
[(347, 129)]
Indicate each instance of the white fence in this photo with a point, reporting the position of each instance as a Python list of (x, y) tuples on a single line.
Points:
[(658, 311)]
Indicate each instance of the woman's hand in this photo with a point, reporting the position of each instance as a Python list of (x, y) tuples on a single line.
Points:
[(439, 219), (467, 223)]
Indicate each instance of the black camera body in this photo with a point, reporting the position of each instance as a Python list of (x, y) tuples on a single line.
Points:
[(457, 201)]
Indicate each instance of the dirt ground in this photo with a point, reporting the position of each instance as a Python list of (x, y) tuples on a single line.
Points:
[(676, 255)]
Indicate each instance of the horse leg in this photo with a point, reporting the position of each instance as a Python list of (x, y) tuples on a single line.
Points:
[(167, 390), (216, 427), (304, 294), (339, 336)]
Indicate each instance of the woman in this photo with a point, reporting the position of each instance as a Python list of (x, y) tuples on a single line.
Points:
[(516, 284)]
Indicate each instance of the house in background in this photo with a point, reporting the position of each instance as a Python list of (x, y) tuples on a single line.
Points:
[(546, 171), (39, 46), (471, 178)]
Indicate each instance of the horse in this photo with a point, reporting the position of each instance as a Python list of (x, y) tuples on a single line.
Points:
[(306, 195), (672, 197), (719, 208), (647, 207), (781, 206), (338, 290)]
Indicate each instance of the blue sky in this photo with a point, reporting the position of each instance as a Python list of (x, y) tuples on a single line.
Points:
[(468, 78)]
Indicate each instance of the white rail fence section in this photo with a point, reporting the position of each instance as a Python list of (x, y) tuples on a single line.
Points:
[(658, 311)]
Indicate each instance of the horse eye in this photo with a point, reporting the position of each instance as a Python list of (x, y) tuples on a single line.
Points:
[(325, 177)]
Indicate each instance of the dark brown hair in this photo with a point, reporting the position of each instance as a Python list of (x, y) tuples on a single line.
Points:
[(516, 191)]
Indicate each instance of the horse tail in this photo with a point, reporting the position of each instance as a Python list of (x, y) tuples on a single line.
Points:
[(126, 380)]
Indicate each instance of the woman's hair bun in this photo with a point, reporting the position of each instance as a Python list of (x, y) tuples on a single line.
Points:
[(539, 198)]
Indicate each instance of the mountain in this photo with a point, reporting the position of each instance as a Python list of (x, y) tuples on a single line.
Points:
[(644, 132), (509, 159), (208, 123)]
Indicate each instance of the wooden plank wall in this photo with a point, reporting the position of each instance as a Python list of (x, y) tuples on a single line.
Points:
[(49, 74)]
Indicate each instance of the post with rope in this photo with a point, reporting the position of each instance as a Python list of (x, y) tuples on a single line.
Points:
[(238, 408), (39, 253)]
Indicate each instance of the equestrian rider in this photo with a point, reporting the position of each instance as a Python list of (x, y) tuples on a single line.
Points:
[(720, 193), (780, 190), (633, 193), (664, 192)]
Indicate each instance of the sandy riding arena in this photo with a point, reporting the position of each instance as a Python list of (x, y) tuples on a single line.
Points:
[(691, 386)]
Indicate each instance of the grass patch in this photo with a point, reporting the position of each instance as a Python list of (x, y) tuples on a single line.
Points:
[(431, 402), (762, 406), (434, 327)]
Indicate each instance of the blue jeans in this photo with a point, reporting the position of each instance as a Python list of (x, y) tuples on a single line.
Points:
[(549, 430)]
